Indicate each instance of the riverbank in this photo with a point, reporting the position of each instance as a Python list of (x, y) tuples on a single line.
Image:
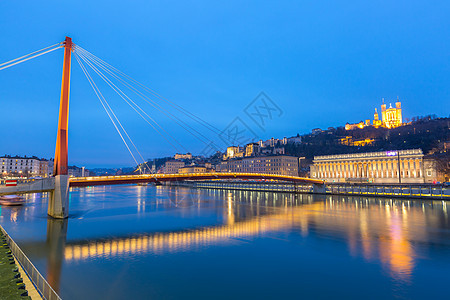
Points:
[(12, 284)]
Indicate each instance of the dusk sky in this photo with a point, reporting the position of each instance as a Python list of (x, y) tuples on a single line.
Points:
[(323, 63)]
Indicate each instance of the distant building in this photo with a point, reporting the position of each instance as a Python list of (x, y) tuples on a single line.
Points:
[(377, 167), (234, 152), (252, 149), (195, 169), (349, 141), (359, 125), (293, 140), (281, 165), (171, 167), (75, 171), (390, 118), (316, 131), (29, 166), (183, 156)]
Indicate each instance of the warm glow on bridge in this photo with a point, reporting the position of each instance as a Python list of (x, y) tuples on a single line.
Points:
[(124, 179)]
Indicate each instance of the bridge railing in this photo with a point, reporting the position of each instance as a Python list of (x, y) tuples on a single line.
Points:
[(190, 176), (36, 278)]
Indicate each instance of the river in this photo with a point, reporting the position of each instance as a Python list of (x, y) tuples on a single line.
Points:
[(147, 242)]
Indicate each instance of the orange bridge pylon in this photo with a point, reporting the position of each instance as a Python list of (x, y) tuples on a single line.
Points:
[(59, 203)]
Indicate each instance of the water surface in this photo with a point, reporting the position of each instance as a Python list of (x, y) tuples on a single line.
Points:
[(137, 242)]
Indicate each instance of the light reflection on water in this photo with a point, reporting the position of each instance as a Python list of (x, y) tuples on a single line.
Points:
[(147, 225)]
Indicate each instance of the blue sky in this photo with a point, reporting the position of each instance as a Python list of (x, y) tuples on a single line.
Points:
[(324, 63)]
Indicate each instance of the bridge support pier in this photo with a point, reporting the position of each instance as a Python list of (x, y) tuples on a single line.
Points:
[(58, 206), (319, 188)]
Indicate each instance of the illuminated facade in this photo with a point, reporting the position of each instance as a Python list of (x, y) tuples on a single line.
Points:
[(195, 169), (376, 167), (281, 165), (26, 165), (171, 167), (234, 152), (349, 141), (390, 118), (183, 156), (252, 149)]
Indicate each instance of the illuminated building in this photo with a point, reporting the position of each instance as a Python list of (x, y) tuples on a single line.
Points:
[(376, 167), (183, 156), (348, 141), (171, 167), (281, 165), (234, 152), (252, 149), (376, 120), (390, 118), (26, 165), (196, 169)]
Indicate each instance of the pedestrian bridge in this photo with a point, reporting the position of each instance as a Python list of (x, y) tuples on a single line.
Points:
[(48, 184), (147, 178)]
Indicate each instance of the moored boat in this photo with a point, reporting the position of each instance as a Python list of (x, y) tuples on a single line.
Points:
[(11, 200)]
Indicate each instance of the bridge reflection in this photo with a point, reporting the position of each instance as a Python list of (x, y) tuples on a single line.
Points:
[(383, 230)]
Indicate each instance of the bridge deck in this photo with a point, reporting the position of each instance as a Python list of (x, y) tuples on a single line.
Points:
[(109, 180)]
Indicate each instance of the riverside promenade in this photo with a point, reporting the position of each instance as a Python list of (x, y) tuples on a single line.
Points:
[(12, 285), (15, 283)]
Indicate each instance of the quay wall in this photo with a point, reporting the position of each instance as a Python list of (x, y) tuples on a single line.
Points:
[(410, 191)]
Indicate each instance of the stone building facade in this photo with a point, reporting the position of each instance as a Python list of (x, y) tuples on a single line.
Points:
[(405, 166), (280, 164)]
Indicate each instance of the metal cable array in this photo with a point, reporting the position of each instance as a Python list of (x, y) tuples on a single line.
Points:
[(31, 55), (123, 84), (120, 82)]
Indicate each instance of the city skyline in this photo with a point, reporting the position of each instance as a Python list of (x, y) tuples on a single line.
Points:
[(316, 83)]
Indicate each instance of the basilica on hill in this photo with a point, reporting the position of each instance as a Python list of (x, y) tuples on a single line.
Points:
[(390, 118)]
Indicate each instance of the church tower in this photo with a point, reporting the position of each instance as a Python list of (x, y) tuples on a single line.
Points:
[(383, 112), (376, 119), (398, 107)]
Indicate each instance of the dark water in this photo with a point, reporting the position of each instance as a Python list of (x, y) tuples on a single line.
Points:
[(134, 242)]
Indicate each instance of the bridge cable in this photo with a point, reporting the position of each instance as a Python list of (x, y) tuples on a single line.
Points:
[(126, 133), (28, 57), (155, 105), (100, 97), (120, 92), (177, 107), (215, 130), (125, 97)]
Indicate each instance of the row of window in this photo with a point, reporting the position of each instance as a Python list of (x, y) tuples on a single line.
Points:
[(384, 174), (390, 165)]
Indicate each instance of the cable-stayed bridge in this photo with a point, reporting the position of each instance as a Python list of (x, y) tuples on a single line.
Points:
[(123, 85)]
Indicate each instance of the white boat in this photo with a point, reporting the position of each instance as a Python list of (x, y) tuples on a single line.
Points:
[(11, 200)]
